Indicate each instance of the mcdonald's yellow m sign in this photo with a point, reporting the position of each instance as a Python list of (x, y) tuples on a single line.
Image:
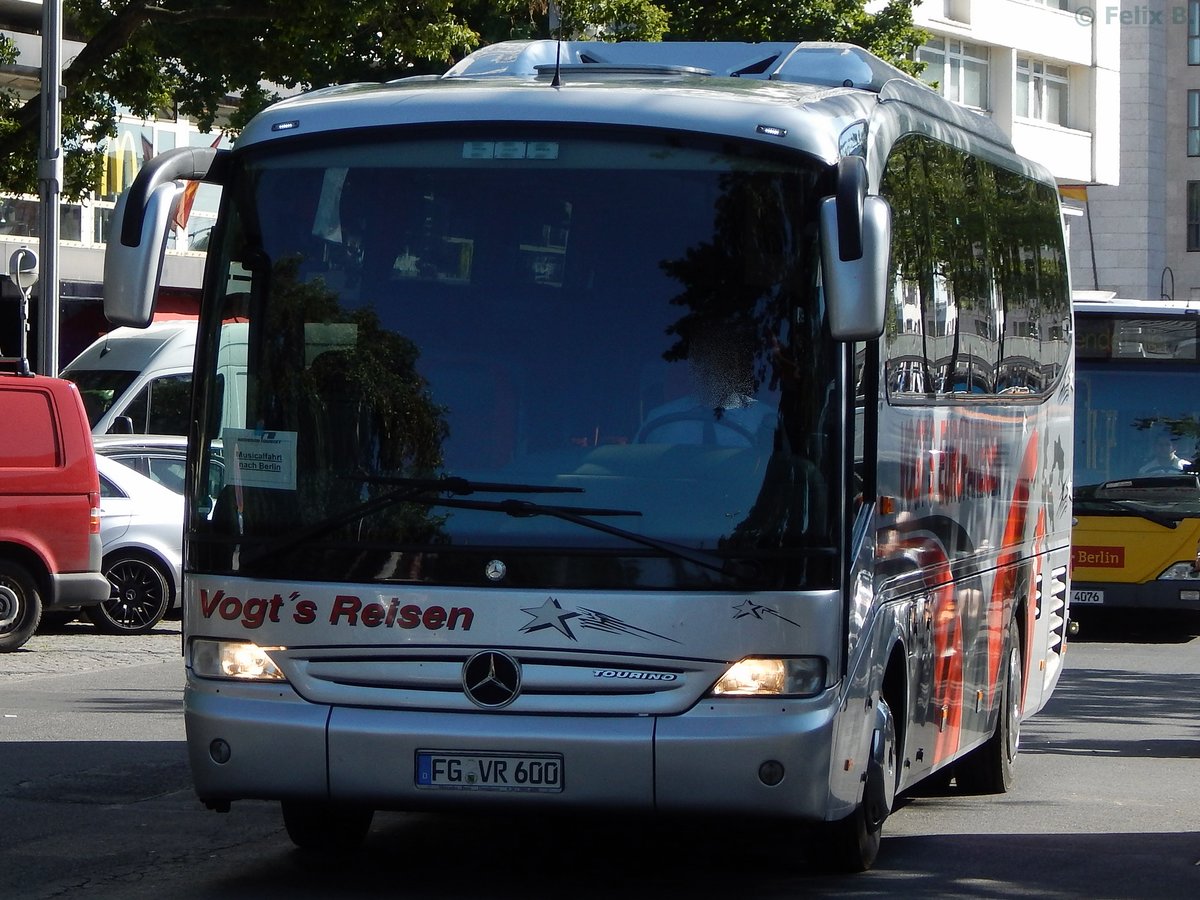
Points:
[(121, 165)]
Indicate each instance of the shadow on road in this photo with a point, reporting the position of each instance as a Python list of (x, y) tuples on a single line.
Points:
[(1137, 626), (471, 857)]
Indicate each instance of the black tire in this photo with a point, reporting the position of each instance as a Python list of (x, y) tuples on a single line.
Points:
[(141, 595), (990, 768), (850, 845), (20, 606), (324, 827)]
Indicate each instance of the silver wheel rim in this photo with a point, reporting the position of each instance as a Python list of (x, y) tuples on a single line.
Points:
[(10, 606)]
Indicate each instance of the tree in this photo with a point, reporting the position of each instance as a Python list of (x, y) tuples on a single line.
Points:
[(887, 32), (192, 56), (624, 20)]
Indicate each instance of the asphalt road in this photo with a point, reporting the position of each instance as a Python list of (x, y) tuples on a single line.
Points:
[(95, 801)]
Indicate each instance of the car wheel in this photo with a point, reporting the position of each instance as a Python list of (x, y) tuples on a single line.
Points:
[(20, 606), (141, 595)]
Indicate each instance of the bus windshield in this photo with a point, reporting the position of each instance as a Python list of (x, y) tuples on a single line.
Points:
[(1137, 420), (597, 361)]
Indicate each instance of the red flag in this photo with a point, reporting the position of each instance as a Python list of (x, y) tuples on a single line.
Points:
[(185, 205), (189, 197)]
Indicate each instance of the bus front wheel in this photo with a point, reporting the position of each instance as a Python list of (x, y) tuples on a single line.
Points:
[(326, 827), (989, 768), (852, 844)]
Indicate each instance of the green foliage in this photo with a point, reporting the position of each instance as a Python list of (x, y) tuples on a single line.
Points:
[(203, 57), (209, 59), (888, 33), (613, 20), (607, 20)]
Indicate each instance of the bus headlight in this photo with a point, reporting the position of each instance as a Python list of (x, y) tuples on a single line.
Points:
[(1183, 571), (772, 677), (234, 659)]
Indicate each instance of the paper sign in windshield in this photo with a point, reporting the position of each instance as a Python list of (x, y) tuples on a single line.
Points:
[(265, 459)]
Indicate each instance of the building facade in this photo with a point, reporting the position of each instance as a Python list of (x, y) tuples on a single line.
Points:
[(1128, 246), (1048, 72), (84, 224), (1140, 237)]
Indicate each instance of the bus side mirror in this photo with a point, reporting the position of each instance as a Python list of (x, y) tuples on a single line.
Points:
[(137, 236), (131, 273), (855, 244)]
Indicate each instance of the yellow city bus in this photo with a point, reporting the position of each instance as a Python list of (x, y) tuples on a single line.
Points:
[(1136, 537)]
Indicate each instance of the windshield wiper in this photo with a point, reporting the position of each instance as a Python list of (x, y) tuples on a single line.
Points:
[(523, 509), (1129, 508), (410, 491), (424, 492), (1151, 497)]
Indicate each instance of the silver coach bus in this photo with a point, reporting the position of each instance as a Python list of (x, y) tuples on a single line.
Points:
[(650, 428)]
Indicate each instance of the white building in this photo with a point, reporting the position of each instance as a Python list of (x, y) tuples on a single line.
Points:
[(1048, 72), (1145, 240)]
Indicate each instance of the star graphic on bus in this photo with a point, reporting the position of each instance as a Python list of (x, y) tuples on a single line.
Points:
[(750, 608), (602, 621), (549, 615)]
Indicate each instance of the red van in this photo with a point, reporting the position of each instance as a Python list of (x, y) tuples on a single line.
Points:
[(49, 504)]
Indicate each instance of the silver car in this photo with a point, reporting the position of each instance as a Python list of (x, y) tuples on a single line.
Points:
[(141, 528), (162, 457)]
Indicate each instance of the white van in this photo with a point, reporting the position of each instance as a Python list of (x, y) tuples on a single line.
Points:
[(139, 380)]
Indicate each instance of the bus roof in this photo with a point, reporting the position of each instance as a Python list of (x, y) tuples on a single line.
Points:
[(1102, 304), (804, 96)]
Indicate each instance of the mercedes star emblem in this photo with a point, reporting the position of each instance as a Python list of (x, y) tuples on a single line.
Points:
[(491, 679)]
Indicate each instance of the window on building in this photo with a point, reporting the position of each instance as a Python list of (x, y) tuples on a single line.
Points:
[(1193, 33), (101, 219), (957, 70), (1193, 216), (19, 216), (957, 10), (1041, 91), (164, 139), (1193, 123)]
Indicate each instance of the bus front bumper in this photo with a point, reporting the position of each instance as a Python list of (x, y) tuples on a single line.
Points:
[(1165, 593), (752, 757)]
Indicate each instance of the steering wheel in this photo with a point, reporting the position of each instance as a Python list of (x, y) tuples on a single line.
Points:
[(702, 417)]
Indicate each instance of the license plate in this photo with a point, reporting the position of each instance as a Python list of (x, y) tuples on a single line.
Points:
[(1093, 597), (453, 770)]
